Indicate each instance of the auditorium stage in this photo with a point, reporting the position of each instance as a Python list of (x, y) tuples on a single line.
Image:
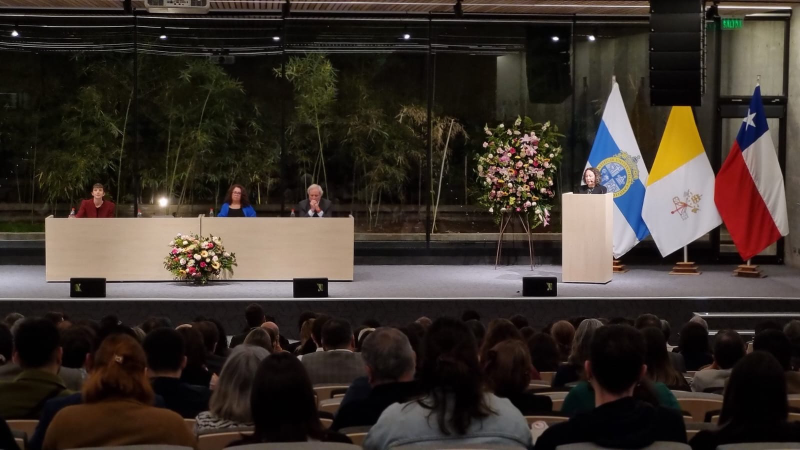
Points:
[(399, 294)]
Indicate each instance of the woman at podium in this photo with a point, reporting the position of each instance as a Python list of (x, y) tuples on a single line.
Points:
[(591, 177), (96, 207), (236, 203)]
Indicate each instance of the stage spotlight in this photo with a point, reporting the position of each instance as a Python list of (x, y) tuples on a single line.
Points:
[(592, 38), (276, 38), (555, 38), (14, 33), (458, 9), (406, 36), (163, 36), (162, 202)]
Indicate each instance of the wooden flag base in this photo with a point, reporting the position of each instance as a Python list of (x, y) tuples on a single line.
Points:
[(748, 271), (685, 268), (619, 267)]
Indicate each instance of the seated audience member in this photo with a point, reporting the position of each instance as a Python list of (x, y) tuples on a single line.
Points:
[(792, 331), (338, 363), (96, 207), (544, 352), (519, 321), (659, 366), (315, 205), (283, 405), (693, 345), (777, 344), (615, 368), (229, 406), (728, 350), (221, 349), (652, 321), (426, 322), (279, 342), (508, 372), (38, 354), (165, 362), (470, 314), (306, 343), (237, 204), (254, 315), (765, 325), (361, 336), (154, 323), (11, 318), (527, 333), (572, 371), (455, 408), (564, 333), (260, 338), (195, 371), (117, 408), (478, 330), (316, 333), (499, 330), (210, 335), (301, 322), (77, 343), (390, 363), (755, 406), (6, 344)]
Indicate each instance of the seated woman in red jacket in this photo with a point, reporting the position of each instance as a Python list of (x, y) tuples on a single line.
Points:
[(96, 207)]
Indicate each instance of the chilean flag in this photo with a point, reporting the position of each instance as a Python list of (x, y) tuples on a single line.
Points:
[(749, 188)]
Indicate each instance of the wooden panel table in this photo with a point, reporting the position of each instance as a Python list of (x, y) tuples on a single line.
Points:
[(282, 248), (123, 249)]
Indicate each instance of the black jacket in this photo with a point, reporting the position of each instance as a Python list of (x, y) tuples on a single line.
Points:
[(184, 399), (529, 404), (599, 189), (625, 423), (741, 433), (367, 411)]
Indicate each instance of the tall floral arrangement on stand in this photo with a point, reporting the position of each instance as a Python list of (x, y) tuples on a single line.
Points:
[(198, 259), (518, 170)]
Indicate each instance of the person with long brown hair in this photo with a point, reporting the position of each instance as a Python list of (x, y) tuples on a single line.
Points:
[(509, 372), (237, 204), (117, 405)]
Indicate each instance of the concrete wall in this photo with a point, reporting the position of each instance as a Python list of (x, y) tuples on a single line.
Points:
[(792, 179)]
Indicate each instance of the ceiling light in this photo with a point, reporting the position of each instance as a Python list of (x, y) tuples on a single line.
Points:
[(555, 38), (592, 38), (406, 36), (163, 36), (276, 38), (14, 33)]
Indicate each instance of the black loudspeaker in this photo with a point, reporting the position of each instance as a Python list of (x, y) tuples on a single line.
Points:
[(539, 286), (87, 287), (310, 287), (547, 63), (677, 52)]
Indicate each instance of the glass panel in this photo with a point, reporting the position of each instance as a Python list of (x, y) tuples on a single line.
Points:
[(755, 49)]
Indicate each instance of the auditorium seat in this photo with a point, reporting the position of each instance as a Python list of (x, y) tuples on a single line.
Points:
[(547, 376), (219, 440), (325, 391), (444, 445), (794, 401), (356, 434), (300, 446), (698, 403), (330, 405), (21, 438), (713, 417), (539, 385), (26, 426), (759, 446), (190, 423), (660, 445), (138, 447), (549, 419)]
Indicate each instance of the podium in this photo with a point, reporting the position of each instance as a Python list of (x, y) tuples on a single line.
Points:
[(587, 238)]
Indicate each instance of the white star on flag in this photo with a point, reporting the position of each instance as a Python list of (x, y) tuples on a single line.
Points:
[(749, 119)]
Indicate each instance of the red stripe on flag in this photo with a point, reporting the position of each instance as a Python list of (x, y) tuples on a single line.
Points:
[(742, 208)]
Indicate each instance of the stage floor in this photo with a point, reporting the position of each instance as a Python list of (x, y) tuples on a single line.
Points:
[(435, 282)]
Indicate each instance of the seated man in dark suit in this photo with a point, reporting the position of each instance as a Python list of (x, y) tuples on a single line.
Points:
[(166, 359), (338, 363), (315, 205), (254, 315), (38, 352), (390, 363), (615, 367)]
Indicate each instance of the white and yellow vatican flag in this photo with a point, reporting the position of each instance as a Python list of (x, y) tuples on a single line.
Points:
[(679, 199)]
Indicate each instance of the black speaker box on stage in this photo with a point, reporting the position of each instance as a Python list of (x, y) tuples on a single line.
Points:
[(310, 287), (539, 286), (547, 63), (677, 52), (87, 287)]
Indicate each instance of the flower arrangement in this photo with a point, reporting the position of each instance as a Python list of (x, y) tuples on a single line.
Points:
[(518, 170), (198, 259)]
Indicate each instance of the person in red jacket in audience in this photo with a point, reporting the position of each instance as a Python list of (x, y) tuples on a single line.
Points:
[(96, 207)]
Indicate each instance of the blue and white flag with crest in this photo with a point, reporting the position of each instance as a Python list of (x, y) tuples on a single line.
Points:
[(616, 155)]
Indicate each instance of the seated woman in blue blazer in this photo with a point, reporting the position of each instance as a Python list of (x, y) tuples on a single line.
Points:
[(236, 203)]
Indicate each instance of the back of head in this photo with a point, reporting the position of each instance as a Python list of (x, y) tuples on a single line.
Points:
[(389, 356), (6, 344), (231, 397), (647, 321), (371, 323), (194, 347), (766, 325), (519, 321), (659, 366), (154, 323), (544, 352), (470, 314), (478, 330), (700, 321), (776, 344), (426, 322), (254, 315), (259, 337), (304, 316), (728, 349), (499, 330), (666, 330), (118, 372), (617, 358), (792, 331), (508, 368), (37, 343), (77, 342), (337, 334), (316, 329), (450, 373), (282, 401), (582, 342), (210, 334), (11, 318), (756, 392), (165, 350), (563, 332), (694, 339)]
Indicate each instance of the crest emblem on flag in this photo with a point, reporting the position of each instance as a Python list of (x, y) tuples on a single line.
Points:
[(619, 172), (690, 203)]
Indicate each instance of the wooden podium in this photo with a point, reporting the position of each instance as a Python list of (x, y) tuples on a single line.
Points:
[(587, 238)]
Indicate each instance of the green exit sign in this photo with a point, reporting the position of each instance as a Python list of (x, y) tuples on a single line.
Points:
[(732, 23)]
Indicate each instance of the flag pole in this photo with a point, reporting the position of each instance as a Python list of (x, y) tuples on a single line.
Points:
[(685, 253), (748, 270), (685, 267)]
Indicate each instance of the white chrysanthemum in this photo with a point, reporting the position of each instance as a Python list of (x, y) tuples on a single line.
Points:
[(198, 257)]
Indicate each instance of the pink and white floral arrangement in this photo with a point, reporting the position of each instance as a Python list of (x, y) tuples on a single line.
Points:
[(198, 259), (518, 170)]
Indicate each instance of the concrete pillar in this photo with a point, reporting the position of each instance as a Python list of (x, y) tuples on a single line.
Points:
[(792, 179)]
